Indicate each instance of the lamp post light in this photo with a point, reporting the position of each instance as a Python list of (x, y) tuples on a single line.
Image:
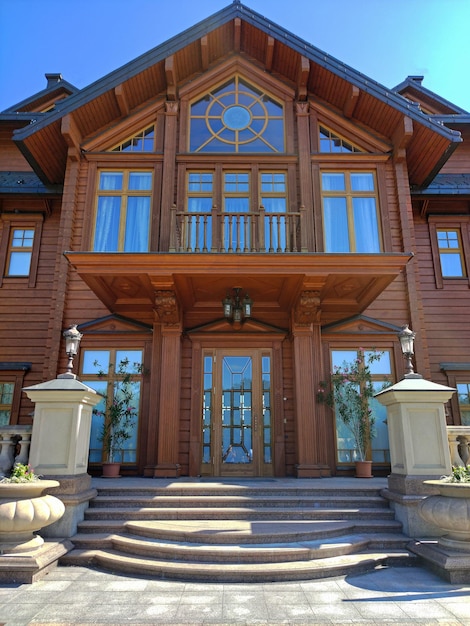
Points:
[(407, 337), (236, 309), (72, 343)]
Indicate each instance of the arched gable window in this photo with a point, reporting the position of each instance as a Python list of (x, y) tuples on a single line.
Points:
[(236, 117)]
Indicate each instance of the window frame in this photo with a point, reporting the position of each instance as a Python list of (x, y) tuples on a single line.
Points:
[(349, 194), (10, 224), (461, 225), (124, 193), (12, 372)]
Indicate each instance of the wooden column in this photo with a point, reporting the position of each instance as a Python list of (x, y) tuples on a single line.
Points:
[(170, 388), (305, 171), (151, 434), (168, 179), (310, 424)]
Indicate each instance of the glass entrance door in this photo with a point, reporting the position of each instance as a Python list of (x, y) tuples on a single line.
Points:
[(236, 424)]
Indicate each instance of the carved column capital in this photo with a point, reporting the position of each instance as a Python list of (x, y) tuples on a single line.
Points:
[(302, 108), (307, 310), (171, 107), (166, 307)]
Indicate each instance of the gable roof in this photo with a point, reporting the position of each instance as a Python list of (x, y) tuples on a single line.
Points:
[(413, 85), (235, 29), (56, 88)]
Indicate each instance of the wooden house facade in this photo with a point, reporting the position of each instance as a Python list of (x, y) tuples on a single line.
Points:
[(235, 212)]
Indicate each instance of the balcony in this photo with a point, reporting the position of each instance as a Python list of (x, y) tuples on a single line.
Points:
[(238, 232)]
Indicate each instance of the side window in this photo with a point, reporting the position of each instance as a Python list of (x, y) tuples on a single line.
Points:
[(6, 401), (122, 222), (463, 394), (19, 248), (350, 212), (451, 257)]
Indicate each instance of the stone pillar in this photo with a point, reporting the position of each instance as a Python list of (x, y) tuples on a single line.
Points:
[(60, 444), (419, 448)]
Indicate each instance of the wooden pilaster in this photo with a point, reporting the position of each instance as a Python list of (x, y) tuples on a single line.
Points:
[(310, 423), (168, 179), (305, 170)]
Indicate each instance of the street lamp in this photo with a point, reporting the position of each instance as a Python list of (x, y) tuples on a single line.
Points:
[(407, 337), (72, 343)]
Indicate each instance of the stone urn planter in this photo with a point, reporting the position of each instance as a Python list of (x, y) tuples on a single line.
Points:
[(450, 511), (23, 512)]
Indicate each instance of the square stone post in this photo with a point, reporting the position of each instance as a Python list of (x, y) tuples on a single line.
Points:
[(60, 443), (419, 448)]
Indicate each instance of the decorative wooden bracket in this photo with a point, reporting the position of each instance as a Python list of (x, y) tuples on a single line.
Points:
[(72, 137), (268, 63), (171, 78), (307, 310), (401, 138), (351, 101), (237, 28), (166, 307), (302, 80), (204, 53), (121, 100)]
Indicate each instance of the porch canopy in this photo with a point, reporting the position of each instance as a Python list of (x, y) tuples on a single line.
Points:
[(132, 285)]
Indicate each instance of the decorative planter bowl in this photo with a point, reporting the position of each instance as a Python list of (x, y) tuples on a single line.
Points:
[(24, 511), (450, 511)]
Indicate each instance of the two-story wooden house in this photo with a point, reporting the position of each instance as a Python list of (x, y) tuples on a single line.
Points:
[(235, 211)]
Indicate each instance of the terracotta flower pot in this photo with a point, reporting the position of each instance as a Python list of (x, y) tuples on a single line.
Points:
[(111, 470), (363, 469), (24, 511)]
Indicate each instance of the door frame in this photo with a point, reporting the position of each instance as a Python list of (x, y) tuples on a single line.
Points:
[(271, 341)]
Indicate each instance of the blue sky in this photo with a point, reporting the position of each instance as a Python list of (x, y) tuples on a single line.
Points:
[(84, 40)]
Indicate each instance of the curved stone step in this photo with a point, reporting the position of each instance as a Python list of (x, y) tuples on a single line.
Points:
[(235, 572), (242, 553)]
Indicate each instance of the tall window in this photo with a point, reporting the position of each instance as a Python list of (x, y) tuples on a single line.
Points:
[(20, 251), (6, 401), (236, 117), (450, 253), (381, 371), (100, 371), (463, 394), (123, 211), (350, 212), (274, 200)]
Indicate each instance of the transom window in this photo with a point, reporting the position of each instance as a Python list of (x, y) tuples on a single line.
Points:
[(350, 212), (142, 141), (123, 211), (330, 142), (450, 253), (236, 117), (20, 251)]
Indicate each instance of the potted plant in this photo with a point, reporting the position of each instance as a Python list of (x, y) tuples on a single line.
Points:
[(348, 393), (119, 415), (24, 510)]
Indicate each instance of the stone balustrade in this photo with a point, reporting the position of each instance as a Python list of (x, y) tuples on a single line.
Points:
[(459, 444), (14, 446)]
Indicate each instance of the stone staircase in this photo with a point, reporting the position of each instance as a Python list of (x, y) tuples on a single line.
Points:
[(239, 530)]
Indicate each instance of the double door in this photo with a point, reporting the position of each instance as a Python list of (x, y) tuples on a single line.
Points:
[(236, 413)]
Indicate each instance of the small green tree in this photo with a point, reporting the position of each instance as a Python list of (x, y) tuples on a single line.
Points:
[(348, 393), (120, 410)]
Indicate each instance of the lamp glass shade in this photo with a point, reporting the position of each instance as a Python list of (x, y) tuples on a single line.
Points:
[(227, 305), (247, 304), (407, 337), (72, 340)]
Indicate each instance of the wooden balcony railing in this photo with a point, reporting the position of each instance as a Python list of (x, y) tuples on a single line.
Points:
[(14, 446), (459, 444), (238, 232)]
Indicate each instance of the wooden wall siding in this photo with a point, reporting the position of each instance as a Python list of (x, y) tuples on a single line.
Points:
[(25, 313), (185, 405), (460, 159), (289, 407), (11, 158), (446, 310)]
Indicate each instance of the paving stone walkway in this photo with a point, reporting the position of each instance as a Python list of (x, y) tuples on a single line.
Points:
[(81, 596)]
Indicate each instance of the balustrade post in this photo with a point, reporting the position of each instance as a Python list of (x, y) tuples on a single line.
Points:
[(261, 238), (173, 228), (7, 450), (214, 230), (303, 230)]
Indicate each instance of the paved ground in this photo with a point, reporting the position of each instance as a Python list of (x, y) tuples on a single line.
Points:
[(77, 595)]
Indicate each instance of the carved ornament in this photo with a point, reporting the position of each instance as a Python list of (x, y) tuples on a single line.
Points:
[(166, 307), (308, 309)]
